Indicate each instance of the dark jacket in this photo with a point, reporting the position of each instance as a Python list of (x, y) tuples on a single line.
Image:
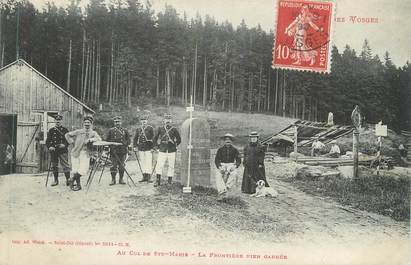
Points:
[(119, 135), (253, 167), (227, 154), (167, 139), (55, 136), (143, 138), (254, 155)]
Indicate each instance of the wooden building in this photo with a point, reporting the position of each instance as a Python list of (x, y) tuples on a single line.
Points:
[(28, 101)]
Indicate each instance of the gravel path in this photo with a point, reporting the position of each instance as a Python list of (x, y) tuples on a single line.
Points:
[(308, 229)]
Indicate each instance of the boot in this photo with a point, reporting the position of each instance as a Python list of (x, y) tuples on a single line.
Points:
[(144, 178), (71, 181), (148, 178), (121, 181), (113, 178), (78, 186), (67, 174), (158, 182), (170, 180), (56, 179)]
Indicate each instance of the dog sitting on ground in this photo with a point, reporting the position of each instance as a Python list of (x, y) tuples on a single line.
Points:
[(261, 190)]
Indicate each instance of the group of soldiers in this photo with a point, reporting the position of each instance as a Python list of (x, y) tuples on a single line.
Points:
[(145, 142)]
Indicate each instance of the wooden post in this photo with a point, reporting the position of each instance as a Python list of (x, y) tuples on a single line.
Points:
[(356, 121), (190, 109), (355, 152), (379, 154)]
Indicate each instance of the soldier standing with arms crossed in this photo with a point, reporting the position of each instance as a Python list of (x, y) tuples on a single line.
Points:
[(57, 145), (143, 146), (167, 139), (118, 154)]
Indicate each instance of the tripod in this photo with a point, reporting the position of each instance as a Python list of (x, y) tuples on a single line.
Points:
[(101, 145)]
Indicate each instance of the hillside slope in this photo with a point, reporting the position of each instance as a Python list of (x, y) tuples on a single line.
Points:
[(238, 124)]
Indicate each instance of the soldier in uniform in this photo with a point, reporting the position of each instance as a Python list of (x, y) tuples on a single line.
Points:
[(82, 141), (167, 139), (118, 154), (143, 144), (57, 145)]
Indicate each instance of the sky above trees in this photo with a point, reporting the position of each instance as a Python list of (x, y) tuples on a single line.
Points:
[(391, 33)]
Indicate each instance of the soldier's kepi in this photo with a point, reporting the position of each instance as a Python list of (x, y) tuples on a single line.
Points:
[(143, 146), (118, 154), (57, 145), (167, 139)]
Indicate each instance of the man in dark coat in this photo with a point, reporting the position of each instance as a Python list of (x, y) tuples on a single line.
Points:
[(227, 161), (57, 145), (143, 146), (254, 169), (118, 154), (167, 139)]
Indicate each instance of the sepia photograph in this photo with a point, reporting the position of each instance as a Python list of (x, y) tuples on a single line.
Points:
[(205, 132)]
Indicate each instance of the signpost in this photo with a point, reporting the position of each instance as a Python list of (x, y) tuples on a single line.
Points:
[(356, 121), (380, 131), (190, 109)]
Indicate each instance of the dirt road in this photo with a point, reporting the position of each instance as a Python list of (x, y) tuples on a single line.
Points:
[(309, 230)]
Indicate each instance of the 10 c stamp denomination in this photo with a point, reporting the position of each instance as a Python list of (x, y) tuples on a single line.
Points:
[(303, 35)]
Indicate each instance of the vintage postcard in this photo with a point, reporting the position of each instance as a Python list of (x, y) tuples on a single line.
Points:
[(205, 132)]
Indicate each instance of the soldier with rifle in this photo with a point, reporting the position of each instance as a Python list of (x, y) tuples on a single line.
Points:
[(167, 139), (143, 146), (118, 154)]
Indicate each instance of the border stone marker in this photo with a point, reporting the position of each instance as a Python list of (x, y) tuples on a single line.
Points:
[(200, 153)]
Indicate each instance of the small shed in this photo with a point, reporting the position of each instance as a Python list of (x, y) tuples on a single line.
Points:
[(28, 102)]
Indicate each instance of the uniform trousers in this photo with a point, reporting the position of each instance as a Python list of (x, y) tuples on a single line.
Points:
[(146, 161), (63, 162), (161, 160)]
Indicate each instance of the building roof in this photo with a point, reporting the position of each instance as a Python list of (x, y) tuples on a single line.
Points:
[(48, 80), (308, 130)]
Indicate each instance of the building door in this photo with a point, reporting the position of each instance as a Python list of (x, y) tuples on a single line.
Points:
[(27, 147), (8, 143)]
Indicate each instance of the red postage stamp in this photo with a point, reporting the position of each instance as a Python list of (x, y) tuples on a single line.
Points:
[(303, 35)]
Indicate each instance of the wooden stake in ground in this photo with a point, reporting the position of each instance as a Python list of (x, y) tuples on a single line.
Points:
[(190, 109), (356, 121)]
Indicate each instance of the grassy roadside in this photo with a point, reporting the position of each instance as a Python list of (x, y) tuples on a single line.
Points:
[(384, 194), (232, 214)]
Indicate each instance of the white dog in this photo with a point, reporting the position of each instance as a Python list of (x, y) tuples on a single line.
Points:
[(261, 190)]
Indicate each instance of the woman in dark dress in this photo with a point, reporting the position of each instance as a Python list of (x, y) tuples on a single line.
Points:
[(254, 169)]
